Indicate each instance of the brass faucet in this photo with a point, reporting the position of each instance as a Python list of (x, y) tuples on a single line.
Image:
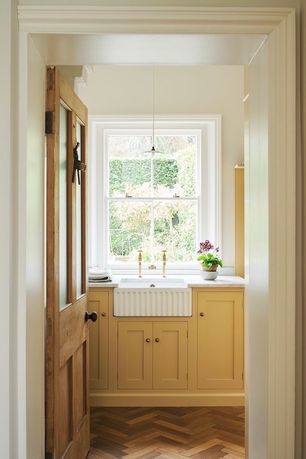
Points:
[(164, 252), (139, 263)]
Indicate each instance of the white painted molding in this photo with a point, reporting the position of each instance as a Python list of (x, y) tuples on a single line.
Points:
[(81, 81), (209, 129), (282, 271), (102, 19)]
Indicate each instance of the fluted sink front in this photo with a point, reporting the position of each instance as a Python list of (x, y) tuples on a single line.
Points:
[(152, 297)]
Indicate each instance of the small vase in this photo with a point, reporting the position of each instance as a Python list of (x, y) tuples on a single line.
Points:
[(209, 273)]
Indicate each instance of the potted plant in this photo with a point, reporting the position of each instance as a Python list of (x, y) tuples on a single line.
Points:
[(209, 259)]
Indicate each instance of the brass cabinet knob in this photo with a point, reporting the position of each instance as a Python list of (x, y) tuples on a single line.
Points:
[(156, 340), (103, 314), (148, 340), (202, 314)]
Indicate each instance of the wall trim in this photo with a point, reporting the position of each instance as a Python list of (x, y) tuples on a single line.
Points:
[(77, 19), (209, 129), (166, 399), (279, 24)]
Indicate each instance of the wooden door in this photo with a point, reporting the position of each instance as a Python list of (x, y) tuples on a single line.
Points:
[(99, 300), (170, 355), (67, 409), (220, 340), (134, 355)]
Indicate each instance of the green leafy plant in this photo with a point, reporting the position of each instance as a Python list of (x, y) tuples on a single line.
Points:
[(208, 256)]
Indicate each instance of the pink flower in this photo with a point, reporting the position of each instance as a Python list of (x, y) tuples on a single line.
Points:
[(206, 246)]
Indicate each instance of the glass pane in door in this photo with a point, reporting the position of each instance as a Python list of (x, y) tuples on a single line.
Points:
[(63, 121), (78, 219)]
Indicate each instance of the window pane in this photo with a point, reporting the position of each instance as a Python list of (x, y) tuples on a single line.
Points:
[(129, 230), (78, 221), (175, 230), (175, 166), (62, 207), (129, 165), (154, 223)]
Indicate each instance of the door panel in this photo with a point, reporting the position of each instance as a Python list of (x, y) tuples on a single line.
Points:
[(220, 340), (65, 407), (170, 355), (135, 355), (80, 385), (67, 415)]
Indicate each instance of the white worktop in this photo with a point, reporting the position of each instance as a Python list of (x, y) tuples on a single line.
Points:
[(191, 280)]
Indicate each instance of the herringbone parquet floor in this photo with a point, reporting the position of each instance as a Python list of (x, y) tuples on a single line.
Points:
[(167, 433)]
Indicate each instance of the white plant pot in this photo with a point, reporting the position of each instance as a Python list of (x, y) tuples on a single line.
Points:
[(209, 275)]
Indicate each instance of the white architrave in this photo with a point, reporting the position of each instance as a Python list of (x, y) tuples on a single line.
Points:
[(210, 185), (279, 25)]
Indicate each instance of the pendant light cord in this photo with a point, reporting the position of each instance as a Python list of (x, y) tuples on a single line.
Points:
[(153, 107)]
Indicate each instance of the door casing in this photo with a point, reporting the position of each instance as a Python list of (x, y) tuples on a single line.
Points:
[(279, 25)]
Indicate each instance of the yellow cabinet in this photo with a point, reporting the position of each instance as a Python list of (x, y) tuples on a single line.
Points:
[(169, 361), (134, 355), (152, 355), (99, 300), (219, 339), (170, 355)]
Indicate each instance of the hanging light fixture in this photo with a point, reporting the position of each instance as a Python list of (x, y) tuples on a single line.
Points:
[(153, 150)]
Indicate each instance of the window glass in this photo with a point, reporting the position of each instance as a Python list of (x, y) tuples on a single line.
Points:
[(129, 165), (78, 219), (175, 225), (129, 230), (174, 168), (152, 198)]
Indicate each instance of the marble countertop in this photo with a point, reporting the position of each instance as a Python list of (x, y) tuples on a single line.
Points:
[(191, 280)]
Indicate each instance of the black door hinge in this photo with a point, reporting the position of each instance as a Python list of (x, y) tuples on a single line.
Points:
[(49, 123)]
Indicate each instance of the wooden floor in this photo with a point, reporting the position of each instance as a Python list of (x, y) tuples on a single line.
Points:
[(164, 433)]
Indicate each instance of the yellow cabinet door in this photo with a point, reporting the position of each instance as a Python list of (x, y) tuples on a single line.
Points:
[(98, 339), (134, 355), (220, 340), (170, 355)]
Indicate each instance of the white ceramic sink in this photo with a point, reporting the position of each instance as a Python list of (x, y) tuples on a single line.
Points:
[(152, 297)]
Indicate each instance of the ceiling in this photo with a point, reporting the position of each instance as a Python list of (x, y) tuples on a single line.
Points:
[(148, 49)]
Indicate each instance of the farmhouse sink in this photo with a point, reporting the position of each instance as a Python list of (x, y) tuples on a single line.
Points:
[(152, 297)]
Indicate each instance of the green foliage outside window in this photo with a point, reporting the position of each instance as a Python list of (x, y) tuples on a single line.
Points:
[(138, 171)]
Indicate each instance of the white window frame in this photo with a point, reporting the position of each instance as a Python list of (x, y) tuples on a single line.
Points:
[(209, 180)]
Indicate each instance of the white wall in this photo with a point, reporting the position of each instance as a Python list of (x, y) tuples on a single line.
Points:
[(8, 159), (189, 90), (35, 279)]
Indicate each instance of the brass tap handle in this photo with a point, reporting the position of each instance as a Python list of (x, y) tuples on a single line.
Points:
[(139, 263), (164, 252)]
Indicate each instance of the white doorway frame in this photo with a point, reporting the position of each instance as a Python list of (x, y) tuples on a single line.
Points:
[(279, 25)]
